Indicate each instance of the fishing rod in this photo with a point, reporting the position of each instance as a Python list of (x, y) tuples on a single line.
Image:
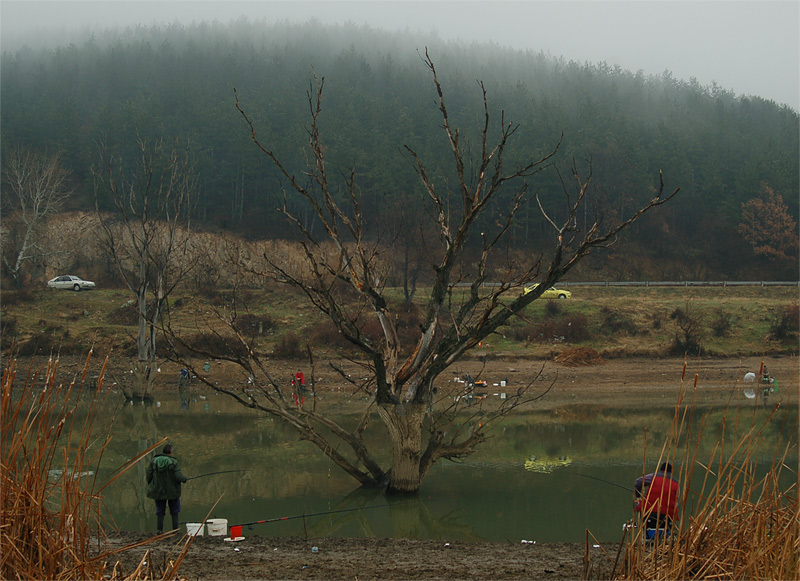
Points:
[(258, 522), (628, 488), (212, 473)]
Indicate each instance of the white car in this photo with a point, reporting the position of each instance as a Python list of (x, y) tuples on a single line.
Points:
[(70, 282)]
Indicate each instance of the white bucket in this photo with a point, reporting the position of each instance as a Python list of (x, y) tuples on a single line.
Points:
[(194, 529), (217, 527)]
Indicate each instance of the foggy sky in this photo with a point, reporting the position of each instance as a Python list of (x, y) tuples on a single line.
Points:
[(749, 47)]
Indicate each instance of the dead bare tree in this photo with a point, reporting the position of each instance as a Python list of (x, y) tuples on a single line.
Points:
[(37, 185), (461, 308), (147, 235)]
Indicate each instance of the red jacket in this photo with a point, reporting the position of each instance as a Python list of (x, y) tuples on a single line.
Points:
[(661, 497)]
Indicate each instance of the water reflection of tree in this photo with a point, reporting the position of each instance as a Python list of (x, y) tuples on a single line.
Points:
[(410, 518), (144, 433), (446, 526), (184, 396)]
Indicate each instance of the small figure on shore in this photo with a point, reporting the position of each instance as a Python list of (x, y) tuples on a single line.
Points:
[(469, 389), (299, 388), (657, 499), (164, 479), (766, 384)]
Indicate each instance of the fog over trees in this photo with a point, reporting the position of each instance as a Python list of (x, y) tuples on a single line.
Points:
[(177, 82)]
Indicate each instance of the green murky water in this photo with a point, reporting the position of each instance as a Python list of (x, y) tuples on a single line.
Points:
[(575, 477)]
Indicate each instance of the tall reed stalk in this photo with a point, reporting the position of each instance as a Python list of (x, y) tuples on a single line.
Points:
[(739, 525), (51, 500)]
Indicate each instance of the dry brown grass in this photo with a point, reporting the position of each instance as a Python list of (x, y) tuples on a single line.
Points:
[(51, 498), (578, 356), (739, 525)]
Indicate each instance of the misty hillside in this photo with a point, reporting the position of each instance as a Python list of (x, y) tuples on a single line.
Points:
[(178, 82)]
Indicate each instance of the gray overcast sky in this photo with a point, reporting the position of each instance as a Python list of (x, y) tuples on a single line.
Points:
[(750, 47)]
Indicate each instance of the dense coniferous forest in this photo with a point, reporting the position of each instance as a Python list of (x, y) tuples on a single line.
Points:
[(177, 82)]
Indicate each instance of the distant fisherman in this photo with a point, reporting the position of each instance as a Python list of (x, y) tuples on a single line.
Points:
[(299, 385), (164, 479)]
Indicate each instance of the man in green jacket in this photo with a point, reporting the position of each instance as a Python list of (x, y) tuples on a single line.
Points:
[(164, 478)]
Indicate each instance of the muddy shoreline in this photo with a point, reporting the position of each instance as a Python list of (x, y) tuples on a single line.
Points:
[(621, 383), (213, 558)]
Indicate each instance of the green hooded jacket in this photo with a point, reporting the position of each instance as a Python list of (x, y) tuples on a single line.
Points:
[(164, 478)]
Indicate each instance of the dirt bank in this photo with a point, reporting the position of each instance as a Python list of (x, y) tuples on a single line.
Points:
[(638, 382), (364, 559)]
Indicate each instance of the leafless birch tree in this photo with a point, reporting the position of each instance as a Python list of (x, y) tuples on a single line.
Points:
[(36, 185)]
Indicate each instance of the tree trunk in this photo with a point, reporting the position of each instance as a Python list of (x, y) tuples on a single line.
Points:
[(156, 313), (143, 378), (21, 258), (143, 368), (404, 422), (142, 337)]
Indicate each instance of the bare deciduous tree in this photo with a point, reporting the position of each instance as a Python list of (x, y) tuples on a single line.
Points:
[(466, 303), (147, 235), (37, 185)]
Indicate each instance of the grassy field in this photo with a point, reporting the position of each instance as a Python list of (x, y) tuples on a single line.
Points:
[(613, 321)]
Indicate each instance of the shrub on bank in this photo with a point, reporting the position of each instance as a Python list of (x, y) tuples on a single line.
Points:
[(722, 323), (688, 340), (211, 343), (289, 347), (785, 324), (251, 325)]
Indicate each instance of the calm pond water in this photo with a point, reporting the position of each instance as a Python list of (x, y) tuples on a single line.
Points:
[(492, 496)]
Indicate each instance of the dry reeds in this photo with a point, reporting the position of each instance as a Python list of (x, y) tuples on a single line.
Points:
[(743, 522), (579, 356), (51, 501)]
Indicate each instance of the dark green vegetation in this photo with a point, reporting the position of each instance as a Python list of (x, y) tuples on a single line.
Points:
[(614, 322), (177, 82)]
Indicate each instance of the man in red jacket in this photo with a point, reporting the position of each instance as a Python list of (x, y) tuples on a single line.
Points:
[(299, 384), (657, 497)]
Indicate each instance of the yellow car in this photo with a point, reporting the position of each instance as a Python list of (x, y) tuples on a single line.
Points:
[(551, 293)]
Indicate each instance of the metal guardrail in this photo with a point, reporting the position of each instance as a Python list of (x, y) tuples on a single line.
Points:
[(663, 283), (722, 283)]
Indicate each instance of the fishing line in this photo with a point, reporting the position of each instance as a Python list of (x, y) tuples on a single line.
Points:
[(629, 489), (282, 518), (212, 473)]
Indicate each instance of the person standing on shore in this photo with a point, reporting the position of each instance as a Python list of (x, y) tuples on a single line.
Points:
[(164, 479), (299, 383)]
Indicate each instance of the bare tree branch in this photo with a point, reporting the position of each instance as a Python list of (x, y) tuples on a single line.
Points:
[(467, 301), (37, 187), (147, 236)]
